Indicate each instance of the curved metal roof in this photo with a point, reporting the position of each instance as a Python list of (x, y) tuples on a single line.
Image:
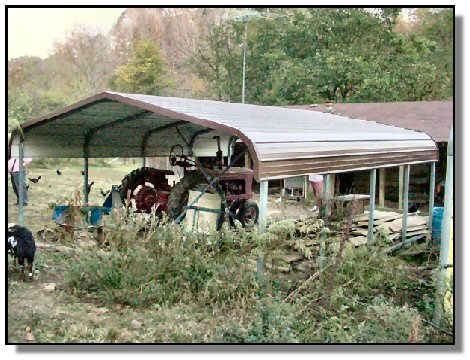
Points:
[(282, 142)]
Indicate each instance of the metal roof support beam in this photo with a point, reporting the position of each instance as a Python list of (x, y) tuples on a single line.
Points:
[(193, 139), (89, 137), (406, 191), (92, 132), (370, 229), (149, 133)]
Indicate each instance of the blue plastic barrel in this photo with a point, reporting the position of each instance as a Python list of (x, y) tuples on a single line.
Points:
[(59, 213), (437, 216)]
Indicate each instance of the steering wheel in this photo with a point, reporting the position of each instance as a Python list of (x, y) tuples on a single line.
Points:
[(176, 152)]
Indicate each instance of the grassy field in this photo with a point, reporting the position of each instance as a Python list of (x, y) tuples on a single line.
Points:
[(168, 285)]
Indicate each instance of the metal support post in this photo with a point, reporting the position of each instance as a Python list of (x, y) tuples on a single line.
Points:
[(21, 180), (406, 190), (85, 177), (263, 206), (325, 208), (400, 187), (382, 187), (370, 229), (446, 229), (432, 187)]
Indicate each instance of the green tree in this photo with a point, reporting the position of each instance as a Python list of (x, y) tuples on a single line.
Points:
[(312, 55), (144, 73)]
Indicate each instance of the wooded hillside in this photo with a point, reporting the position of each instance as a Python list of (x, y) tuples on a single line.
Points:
[(293, 56)]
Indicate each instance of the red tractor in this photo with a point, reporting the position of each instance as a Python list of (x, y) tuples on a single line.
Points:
[(151, 192)]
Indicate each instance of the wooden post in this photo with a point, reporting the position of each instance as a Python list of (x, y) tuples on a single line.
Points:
[(405, 203), (263, 206), (400, 188), (21, 181), (370, 229), (432, 187), (382, 187)]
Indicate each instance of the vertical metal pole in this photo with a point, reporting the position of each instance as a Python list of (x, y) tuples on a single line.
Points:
[(21, 182), (263, 211), (382, 187), (432, 187), (263, 206), (325, 197), (85, 176), (446, 229), (144, 161), (325, 211), (244, 63), (400, 188), (405, 202), (370, 230)]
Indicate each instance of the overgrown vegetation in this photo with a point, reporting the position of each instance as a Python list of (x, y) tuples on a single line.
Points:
[(143, 264)]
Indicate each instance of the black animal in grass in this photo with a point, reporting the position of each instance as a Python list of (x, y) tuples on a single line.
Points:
[(35, 180), (88, 188), (58, 172), (22, 247), (414, 208), (104, 193)]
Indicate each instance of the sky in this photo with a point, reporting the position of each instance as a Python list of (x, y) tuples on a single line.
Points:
[(33, 31)]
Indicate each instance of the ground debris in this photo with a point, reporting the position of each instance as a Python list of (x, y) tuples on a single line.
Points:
[(50, 287)]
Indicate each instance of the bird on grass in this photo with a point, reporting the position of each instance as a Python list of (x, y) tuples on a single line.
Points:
[(35, 180), (88, 188), (104, 193), (58, 172)]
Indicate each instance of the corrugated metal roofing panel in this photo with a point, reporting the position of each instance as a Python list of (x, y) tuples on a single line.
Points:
[(282, 142)]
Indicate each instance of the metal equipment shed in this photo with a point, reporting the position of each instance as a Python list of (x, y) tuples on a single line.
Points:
[(282, 142)]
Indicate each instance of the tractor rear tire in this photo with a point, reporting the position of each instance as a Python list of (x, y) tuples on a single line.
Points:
[(179, 194), (140, 176)]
